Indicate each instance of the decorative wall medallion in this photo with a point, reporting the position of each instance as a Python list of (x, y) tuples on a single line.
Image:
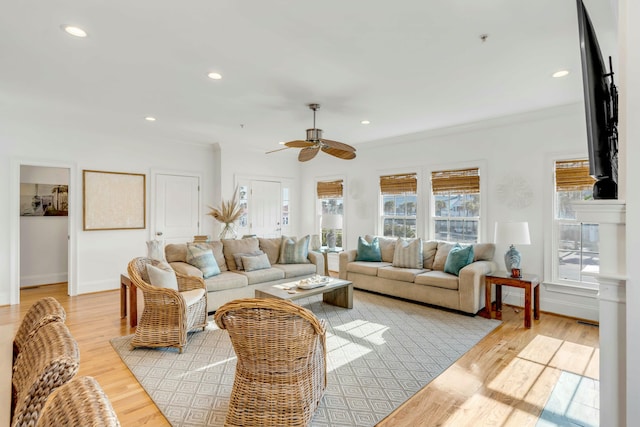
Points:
[(515, 192)]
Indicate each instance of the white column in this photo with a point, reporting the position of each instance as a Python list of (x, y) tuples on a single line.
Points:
[(611, 218)]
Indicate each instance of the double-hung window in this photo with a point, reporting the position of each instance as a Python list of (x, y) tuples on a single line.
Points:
[(456, 205), (399, 199), (576, 249), (330, 201)]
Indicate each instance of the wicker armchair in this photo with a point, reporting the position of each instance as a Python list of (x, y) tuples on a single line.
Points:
[(168, 314), (80, 402), (48, 360), (44, 311), (281, 371)]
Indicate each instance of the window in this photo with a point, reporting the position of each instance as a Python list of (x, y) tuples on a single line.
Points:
[(331, 208), (456, 205), (576, 244), (398, 196)]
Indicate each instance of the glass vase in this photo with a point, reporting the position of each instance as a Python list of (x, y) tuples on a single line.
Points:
[(228, 231)]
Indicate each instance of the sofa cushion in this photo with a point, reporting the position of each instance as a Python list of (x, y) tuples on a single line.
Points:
[(458, 258), (271, 247), (438, 279), (296, 270), (364, 267), (441, 255), (202, 257), (401, 274), (260, 276), (236, 246), (408, 253), (162, 278), (256, 262), (176, 252), (368, 251), (484, 251), (239, 257), (429, 249), (294, 251), (226, 280), (387, 246)]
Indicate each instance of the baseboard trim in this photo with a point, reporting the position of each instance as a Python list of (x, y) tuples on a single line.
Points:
[(43, 279), (564, 308)]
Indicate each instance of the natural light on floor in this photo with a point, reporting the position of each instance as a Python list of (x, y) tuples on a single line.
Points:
[(343, 351)]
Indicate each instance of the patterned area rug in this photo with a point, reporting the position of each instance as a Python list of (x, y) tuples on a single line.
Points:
[(380, 353)]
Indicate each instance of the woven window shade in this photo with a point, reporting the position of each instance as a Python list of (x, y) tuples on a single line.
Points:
[(398, 184), (573, 175), (461, 181), (329, 189)]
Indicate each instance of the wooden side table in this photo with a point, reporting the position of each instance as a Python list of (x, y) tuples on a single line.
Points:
[(529, 282), (126, 283)]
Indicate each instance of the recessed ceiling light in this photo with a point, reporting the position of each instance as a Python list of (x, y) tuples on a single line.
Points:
[(560, 73), (365, 122), (281, 142), (215, 76), (150, 119), (74, 31)]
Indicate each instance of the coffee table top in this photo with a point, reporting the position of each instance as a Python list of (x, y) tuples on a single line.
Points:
[(285, 290)]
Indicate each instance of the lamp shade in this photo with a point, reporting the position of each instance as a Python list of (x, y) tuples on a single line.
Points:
[(331, 221), (512, 233)]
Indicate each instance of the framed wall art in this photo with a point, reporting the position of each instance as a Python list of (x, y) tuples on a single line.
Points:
[(113, 200)]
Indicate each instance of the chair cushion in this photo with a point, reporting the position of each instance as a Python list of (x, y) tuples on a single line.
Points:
[(368, 251), (202, 257), (256, 262), (236, 246), (408, 253), (439, 279), (162, 278), (294, 251), (458, 258), (296, 270), (193, 296)]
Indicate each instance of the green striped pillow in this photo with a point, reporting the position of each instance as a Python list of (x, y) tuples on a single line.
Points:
[(408, 253), (294, 251), (202, 257)]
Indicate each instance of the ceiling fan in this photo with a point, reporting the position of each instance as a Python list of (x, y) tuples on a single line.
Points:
[(315, 143)]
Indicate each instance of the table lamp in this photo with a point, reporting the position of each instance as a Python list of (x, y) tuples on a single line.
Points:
[(512, 233), (331, 222)]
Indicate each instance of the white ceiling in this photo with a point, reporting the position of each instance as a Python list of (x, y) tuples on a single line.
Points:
[(407, 66)]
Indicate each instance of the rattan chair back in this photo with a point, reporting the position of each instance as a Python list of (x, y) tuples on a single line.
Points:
[(48, 360), (43, 311), (281, 369), (80, 402)]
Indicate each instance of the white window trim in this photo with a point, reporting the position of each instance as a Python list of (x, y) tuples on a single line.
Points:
[(419, 198), (481, 165)]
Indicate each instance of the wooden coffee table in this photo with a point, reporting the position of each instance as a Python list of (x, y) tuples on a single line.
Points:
[(337, 292)]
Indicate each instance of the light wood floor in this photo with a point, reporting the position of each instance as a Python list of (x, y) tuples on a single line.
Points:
[(505, 380)]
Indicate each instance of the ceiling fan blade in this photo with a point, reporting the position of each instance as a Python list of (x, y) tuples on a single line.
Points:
[(341, 154), (279, 149), (338, 145), (308, 153), (299, 144)]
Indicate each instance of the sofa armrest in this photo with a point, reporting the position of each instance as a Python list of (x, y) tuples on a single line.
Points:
[(471, 286), (186, 269), (345, 258), (318, 259)]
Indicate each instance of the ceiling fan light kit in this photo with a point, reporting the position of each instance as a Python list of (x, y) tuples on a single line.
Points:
[(314, 143)]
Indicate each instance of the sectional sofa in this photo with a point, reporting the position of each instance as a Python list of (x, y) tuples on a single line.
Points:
[(234, 280), (428, 283)]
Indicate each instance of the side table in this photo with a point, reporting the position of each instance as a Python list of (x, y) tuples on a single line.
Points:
[(325, 252), (529, 282), (126, 283)]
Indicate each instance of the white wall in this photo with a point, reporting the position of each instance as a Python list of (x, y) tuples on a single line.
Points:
[(517, 147), (43, 239)]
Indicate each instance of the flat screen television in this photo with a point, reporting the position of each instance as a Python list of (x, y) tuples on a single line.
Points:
[(601, 108)]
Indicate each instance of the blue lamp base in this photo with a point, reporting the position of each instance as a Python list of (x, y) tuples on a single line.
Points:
[(512, 258)]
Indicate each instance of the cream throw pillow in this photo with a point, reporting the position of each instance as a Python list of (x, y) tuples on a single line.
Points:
[(408, 253), (162, 278)]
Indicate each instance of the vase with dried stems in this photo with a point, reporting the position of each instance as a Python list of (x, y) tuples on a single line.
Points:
[(228, 213)]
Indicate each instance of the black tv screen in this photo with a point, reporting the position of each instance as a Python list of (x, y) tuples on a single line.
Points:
[(600, 100)]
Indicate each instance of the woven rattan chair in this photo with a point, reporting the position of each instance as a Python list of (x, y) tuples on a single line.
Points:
[(281, 371), (80, 402), (43, 311), (48, 360), (168, 314)]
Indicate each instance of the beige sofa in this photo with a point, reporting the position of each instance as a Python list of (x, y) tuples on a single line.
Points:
[(429, 284), (233, 282)]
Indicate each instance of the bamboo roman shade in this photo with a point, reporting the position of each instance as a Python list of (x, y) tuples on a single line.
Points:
[(573, 175), (461, 181), (398, 184), (329, 189)]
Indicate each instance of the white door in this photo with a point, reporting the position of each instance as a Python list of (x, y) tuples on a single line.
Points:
[(265, 210), (177, 208)]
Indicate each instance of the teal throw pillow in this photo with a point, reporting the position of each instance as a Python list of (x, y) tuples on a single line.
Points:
[(368, 251), (294, 251), (458, 258), (202, 257)]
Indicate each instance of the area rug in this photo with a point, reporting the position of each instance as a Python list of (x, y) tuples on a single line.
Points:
[(379, 354)]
